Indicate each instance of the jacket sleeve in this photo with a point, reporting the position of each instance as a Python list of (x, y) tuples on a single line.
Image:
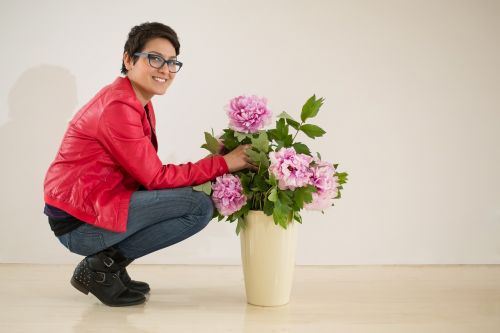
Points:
[(121, 132)]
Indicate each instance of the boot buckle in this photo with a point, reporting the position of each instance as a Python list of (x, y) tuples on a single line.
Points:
[(108, 261), (100, 274)]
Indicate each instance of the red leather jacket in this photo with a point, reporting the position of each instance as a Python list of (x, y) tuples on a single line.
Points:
[(107, 152)]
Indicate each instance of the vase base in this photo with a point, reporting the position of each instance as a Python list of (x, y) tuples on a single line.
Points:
[(267, 305)]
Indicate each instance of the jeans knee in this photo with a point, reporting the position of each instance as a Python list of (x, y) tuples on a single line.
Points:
[(205, 207)]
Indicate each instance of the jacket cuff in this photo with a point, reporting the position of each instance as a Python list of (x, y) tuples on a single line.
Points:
[(223, 164)]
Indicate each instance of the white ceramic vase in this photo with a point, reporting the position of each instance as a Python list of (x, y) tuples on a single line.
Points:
[(268, 257)]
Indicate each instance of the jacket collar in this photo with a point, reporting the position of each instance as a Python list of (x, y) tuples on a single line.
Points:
[(123, 83)]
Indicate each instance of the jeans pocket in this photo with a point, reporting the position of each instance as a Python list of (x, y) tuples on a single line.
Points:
[(85, 244)]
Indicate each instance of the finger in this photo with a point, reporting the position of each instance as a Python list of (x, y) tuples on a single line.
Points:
[(249, 160), (252, 166)]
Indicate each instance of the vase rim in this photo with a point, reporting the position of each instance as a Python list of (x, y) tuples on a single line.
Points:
[(258, 211)]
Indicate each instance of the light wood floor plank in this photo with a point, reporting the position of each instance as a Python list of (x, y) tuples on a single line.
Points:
[(39, 298)]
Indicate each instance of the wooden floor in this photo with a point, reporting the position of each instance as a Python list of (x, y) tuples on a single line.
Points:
[(403, 299)]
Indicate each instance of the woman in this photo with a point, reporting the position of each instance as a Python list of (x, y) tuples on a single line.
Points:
[(108, 196)]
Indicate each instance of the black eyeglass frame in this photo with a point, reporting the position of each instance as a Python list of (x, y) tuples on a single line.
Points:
[(169, 62)]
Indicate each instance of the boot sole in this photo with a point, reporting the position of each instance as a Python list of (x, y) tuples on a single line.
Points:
[(80, 287)]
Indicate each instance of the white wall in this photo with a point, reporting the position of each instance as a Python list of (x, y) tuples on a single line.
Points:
[(412, 112)]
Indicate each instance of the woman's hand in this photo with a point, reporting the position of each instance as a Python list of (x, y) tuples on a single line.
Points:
[(237, 159)]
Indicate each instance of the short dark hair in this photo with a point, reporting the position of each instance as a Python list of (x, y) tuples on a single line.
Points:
[(141, 34)]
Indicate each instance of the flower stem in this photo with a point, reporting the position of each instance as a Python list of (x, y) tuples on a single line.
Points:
[(298, 129)]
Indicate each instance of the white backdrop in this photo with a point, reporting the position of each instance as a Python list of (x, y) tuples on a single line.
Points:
[(412, 112)]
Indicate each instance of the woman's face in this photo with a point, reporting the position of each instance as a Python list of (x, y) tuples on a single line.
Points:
[(148, 81)]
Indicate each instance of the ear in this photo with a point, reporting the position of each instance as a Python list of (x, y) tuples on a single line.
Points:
[(127, 60)]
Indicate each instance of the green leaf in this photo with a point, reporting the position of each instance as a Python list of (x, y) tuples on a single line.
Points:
[(231, 218), (342, 176), (312, 131), (272, 134), (319, 156), (282, 129), (260, 184), (259, 158), (303, 195), (272, 181), (261, 143), (286, 116), (286, 197), (273, 196), (230, 141), (293, 123), (264, 160), (242, 212), (212, 145), (297, 217), (288, 141), (301, 148), (289, 120), (240, 136), (311, 108), (240, 225), (215, 213), (245, 180), (268, 207), (281, 213), (280, 145), (254, 156), (205, 187)]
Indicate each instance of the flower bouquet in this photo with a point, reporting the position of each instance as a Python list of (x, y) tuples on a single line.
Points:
[(289, 177)]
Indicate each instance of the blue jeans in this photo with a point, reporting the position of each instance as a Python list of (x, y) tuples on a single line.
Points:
[(156, 219)]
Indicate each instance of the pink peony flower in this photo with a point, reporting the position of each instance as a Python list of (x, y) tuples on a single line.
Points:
[(290, 169), (248, 114), (324, 179), (320, 201), (228, 194)]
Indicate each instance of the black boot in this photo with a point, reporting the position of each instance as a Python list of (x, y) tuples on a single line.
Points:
[(139, 286), (123, 262), (99, 274)]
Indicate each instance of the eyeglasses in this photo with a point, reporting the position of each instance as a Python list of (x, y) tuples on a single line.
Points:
[(157, 61)]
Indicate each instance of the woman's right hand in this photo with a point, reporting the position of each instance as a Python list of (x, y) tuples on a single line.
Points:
[(237, 159)]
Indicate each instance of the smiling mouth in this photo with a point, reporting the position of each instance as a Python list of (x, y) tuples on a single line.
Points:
[(159, 79)]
